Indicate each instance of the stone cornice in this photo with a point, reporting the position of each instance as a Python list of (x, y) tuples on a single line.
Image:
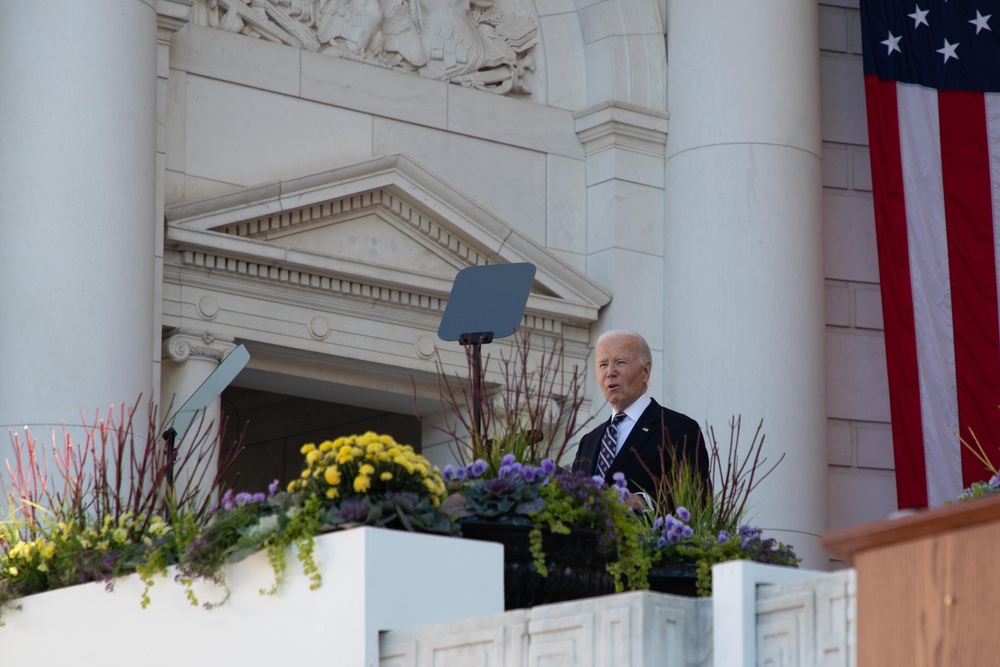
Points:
[(172, 15), (619, 124)]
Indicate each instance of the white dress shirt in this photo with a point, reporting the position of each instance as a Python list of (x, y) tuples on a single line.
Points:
[(632, 414)]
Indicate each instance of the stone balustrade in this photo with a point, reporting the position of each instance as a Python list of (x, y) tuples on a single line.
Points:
[(803, 623)]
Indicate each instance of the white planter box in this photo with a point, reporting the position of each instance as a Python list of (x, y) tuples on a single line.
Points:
[(373, 580)]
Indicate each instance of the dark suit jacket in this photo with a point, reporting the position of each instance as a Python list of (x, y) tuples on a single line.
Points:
[(656, 427)]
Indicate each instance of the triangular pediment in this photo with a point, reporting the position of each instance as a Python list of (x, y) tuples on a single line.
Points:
[(386, 225)]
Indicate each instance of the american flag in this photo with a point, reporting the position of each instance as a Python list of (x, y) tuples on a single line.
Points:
[(932, 74)]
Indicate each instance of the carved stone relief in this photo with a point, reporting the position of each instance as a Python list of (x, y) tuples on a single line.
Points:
[(467, 42)]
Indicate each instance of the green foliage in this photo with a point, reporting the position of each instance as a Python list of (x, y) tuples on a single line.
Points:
[(691, 524), (85, 532), (578, 502), (503, 495)]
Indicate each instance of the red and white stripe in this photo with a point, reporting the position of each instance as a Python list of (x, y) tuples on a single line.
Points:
[(936, 171)]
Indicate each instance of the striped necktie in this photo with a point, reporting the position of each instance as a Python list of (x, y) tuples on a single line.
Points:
[(609, 445)]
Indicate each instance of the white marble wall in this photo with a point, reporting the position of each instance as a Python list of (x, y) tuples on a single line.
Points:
[(861, 482)]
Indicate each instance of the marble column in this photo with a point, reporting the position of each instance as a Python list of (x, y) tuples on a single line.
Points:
[(743, 283), (189, 357), (77, 200)]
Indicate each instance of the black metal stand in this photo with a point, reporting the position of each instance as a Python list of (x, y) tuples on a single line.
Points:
[(170, 437), (477, 340)]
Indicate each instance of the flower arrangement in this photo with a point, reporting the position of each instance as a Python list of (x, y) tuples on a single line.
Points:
[(111, 509), (371, 479), (979, 489), (672, 540), (709, 526), (554, 500)]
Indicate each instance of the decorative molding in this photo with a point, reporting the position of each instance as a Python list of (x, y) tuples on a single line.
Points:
[(275, 225), (171, 16), (184, 345), (346, 287), (476, 44), (625, 630), (292, 233), (619, 124)]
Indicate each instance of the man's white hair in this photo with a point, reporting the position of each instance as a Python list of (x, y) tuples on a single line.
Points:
[(641, 346)]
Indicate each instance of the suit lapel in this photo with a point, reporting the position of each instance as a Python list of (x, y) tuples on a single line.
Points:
[(646, 433)]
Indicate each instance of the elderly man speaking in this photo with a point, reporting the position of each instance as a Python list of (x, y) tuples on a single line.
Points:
[(637, 438)]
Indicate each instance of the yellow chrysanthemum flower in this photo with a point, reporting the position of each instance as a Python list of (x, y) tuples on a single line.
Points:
[(332, 493), (44, 567), (357, 451), (49, 551), (12, 570), (362, 483), (367, 469), (325, 446), (313, 456), (386, 476), (332, 476), (292, 486), (386, 440), (344, 455), (306, 448), (306, 473)]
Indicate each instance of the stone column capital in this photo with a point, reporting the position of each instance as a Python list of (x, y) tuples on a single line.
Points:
[(183, 345), (618, 124)]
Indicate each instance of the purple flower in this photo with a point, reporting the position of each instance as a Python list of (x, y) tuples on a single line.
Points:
[(683, 514), (258, 497), (458, 474), (723, 536), (530, 474), (623, 493), (619, 478), (995, 481), (658, 523), (448, 473), (508, 460), (272, 488), (227, 501), (548, 466), (504, 471), (597, 479), (688, 531), (477, 468), (243, 498)]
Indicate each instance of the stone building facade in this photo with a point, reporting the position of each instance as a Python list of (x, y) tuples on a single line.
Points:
[(307, 177)]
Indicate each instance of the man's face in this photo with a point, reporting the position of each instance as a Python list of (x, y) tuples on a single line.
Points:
[(622, 378)]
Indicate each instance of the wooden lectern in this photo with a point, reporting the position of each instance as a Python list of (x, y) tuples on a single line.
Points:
[(928, 586)]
